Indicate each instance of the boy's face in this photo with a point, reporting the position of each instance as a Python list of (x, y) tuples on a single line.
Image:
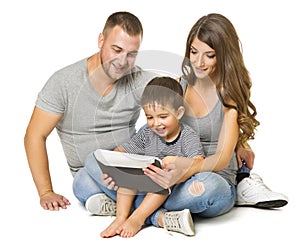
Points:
[(164, 120)]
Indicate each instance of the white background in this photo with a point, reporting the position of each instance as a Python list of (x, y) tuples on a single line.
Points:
[(39, 37)]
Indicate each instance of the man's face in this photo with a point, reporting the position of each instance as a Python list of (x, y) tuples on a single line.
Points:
[(118, 52)]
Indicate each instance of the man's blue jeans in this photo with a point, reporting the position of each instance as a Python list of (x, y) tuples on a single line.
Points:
[(206, 194)]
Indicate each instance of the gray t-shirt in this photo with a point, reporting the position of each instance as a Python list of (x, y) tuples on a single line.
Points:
[(208, 128), (91, 121)]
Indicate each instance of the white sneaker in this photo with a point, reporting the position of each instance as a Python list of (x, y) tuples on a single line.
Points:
[(179, 221), (101, 204), (251, 191)]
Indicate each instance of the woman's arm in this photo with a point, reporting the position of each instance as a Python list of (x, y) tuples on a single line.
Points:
[(178, 169), (245, 155)]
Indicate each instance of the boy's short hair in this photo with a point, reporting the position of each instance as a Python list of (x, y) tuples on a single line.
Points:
[(163, 91), (127, 21)]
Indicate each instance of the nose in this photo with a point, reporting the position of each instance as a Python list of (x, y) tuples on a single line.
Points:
[(156, 122), (199, 61), (122, 59)]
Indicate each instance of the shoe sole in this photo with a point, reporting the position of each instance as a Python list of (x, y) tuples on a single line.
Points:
[(265, 204), (191, 231)]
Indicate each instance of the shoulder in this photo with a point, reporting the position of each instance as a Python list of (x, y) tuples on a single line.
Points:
[(144, 76), (188, 133), (70, 72), (183, 83), (78, 66), (187, 129)]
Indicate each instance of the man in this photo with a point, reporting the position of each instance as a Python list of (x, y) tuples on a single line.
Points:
[(93, 103)]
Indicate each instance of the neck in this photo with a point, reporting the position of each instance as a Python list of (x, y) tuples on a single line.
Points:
[(174, 135), (204, 84), (99, 80)]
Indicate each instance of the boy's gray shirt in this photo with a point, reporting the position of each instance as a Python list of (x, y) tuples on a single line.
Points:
[(91, 121)]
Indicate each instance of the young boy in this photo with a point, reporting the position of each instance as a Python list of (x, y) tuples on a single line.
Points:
[(162, 102)]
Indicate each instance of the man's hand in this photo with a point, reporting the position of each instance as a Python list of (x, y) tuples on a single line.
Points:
[(52, 201)]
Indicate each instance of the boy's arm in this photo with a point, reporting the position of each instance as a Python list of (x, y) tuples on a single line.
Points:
[(40, 126), (119, 149)]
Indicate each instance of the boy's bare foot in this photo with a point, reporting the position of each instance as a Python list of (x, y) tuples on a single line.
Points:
[(131, 227), (114, 228)]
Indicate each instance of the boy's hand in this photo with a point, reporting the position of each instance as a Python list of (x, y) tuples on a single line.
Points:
[(109, 182)]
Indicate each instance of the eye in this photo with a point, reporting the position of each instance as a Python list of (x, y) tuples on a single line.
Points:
[(132, 54), (211, 56), (117, 50), (193, 51)]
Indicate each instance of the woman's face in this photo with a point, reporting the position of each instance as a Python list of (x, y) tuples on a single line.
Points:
[(203, 59)]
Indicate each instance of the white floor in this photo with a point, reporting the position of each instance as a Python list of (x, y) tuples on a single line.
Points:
[(23, 219)]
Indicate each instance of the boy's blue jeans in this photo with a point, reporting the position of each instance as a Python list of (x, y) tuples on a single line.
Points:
[(206, 194)]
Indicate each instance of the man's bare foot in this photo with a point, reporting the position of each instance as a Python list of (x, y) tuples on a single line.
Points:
[(114, 228), (131, 227)]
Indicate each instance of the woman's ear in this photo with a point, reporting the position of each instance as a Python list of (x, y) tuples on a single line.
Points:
[(180, 112)]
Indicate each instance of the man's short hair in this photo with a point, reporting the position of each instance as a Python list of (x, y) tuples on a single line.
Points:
[(127, 21)]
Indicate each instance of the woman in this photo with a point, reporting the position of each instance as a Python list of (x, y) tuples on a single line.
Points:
[(217, 94)]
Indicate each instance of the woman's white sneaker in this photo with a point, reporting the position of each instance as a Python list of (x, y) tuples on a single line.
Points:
[(251, 191)]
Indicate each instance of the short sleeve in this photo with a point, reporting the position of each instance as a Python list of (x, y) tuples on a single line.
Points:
[(136, 145), (52, 98), (192, 145)]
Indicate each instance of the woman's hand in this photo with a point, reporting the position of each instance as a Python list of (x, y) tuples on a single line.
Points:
[(109, 182), (173, 171), (245, 155)]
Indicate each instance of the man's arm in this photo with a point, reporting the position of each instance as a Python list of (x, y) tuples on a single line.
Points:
[(40, 126)]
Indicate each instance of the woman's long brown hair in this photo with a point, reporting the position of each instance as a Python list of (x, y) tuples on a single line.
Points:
[(233, 81)]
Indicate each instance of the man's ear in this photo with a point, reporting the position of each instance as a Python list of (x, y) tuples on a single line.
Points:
[(100, 41), (180, 112)]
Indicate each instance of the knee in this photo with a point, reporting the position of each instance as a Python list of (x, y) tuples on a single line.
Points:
[(84, 186), (200, 183), (209, 185), (196, 188)]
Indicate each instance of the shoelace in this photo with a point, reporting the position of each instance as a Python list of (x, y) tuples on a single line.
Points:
[(108, 206), (258, 183), (171, 222)]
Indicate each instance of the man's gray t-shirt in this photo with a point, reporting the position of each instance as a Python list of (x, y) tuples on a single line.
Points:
[(91, 121)]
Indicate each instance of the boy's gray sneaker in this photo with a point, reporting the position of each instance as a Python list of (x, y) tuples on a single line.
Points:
[(179, 221), (101, 204)]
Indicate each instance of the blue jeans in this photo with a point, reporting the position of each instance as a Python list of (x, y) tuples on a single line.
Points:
[(206, 194), (244, 169)]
